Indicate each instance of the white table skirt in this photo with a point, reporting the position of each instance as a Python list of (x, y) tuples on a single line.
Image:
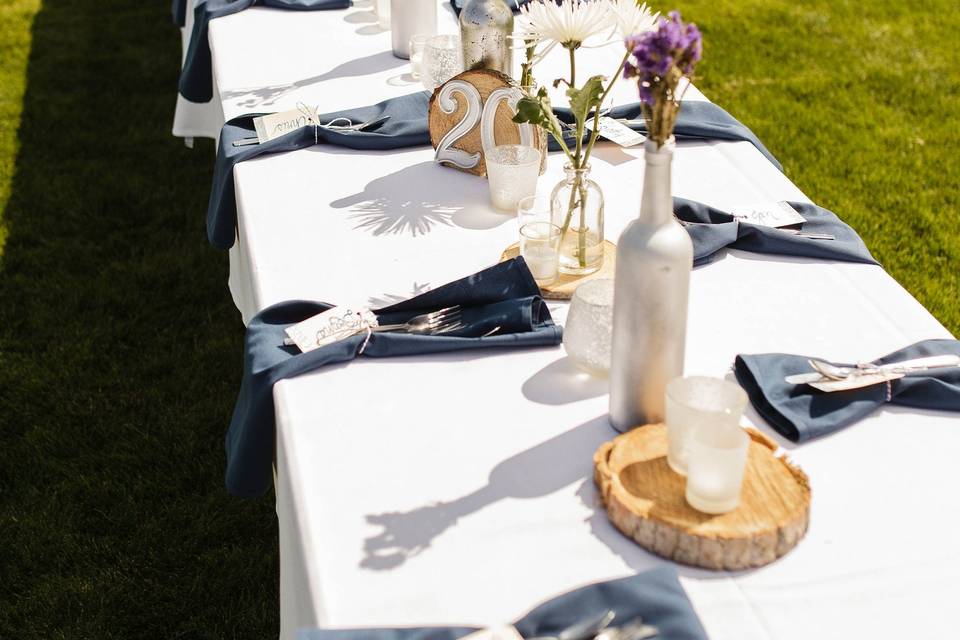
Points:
[(456, 488)]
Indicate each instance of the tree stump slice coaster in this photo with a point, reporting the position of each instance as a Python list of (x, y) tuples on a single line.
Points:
[(644, 499), (565, 285)]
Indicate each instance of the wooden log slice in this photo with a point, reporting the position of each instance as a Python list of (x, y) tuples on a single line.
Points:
[(645, 500), (506, 131), (565, 285)]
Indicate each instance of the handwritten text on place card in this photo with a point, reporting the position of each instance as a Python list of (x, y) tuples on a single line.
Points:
[(618, 132), (275, 125), (330, 326), (769, 214)]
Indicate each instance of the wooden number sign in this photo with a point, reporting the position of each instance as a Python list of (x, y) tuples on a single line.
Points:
[(472, 113)]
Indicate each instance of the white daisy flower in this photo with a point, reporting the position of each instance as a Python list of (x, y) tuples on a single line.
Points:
[(632, 17), (569, 23)]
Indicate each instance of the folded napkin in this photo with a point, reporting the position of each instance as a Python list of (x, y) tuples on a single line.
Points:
[(407, 127), (179, 11), (196, 76), (655, 596), (712, 230), (800, 412), (697, 120), (504, 296)]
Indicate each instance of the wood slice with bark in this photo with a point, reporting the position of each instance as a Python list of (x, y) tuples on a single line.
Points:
[(644, 499)]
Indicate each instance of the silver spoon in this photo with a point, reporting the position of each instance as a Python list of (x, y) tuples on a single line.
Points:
[(833, 372), (583, 630)]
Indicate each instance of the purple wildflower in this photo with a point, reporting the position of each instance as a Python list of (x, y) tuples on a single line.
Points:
[(660, 58)]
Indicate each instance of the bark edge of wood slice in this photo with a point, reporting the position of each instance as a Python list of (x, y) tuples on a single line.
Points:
[(644, 499)]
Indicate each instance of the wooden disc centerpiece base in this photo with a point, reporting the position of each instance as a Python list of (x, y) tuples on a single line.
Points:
[(565, 285), (645, 500)]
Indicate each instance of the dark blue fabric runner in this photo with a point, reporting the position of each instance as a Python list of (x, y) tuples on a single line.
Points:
[(800, 412), (504, 296), (196, 76), (712, 230), (179, 11), (654, 596), (407, 127)]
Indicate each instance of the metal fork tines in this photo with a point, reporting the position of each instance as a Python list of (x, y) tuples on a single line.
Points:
[(442, 321)]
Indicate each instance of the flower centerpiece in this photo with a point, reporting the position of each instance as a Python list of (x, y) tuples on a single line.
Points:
[(577, 202), (659, 61)]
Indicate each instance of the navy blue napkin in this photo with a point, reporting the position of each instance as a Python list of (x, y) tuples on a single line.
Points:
[(712, 230), (697, 120), (179, 11), (196, 76), (655, 596), (504, 296), (407, 127), (801, 413)]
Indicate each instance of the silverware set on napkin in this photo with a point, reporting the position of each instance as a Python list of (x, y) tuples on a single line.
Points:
[(829, 377), (363, 126), (598, 628)]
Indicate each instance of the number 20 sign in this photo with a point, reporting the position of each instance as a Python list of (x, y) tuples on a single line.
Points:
[(471, 114)]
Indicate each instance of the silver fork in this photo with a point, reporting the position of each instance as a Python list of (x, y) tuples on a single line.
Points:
[(442, 321)]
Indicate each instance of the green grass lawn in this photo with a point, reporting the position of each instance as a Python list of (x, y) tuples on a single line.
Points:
[(120, 347)]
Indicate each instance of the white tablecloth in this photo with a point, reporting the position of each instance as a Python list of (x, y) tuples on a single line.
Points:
[(456, 488)]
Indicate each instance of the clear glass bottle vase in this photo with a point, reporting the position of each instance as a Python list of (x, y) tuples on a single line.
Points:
[(577, 208)]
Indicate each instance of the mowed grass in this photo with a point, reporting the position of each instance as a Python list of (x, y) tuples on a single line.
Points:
[(120, 347)]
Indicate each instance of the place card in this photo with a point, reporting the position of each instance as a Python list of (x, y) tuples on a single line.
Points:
[(618, 132), (330, 326), (769, 214), (274, 125)]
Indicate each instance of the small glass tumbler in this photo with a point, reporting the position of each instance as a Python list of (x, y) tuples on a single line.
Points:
[(417, 45), (535, 208), (695, 402), (382, 10), (589, 327), (540, 248), (442, 59), (512, 172), (716, 462)]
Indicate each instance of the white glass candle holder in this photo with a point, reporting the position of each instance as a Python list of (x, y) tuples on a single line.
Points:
[(699, 401), (540, 248), (512, 172), (417, 45), (587, 332), (408, 18), (442, 59), (716, 462), (381, 8)]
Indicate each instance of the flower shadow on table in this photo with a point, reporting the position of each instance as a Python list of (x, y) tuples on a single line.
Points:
[(388, 299), (536, 472), (412, 201), (268, 95)]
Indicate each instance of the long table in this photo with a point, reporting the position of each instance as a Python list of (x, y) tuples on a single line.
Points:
[(457, 488)]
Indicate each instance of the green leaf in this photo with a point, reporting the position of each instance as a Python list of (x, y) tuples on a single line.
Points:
[(529, 110), (583, 100)]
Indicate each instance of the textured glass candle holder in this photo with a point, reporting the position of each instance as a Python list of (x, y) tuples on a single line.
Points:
[(512, 172), (587, 332), (716, 461), (540, 248), (695, 402), (442, 59)]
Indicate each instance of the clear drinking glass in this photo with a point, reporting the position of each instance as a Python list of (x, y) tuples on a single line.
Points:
[(587, 332), (716, 461), (512, 172), (417, 45), (442, 59), (540, 247), (695, 402), (535, 208)]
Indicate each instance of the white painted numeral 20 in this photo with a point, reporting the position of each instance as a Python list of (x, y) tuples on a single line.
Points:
[(474, 114)]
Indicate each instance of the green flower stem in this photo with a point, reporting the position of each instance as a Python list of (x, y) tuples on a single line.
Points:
[(596, 111)]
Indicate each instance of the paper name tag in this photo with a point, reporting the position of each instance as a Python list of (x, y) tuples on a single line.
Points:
[(495, 633), (275, 125), (855, 382), (330, 326), (769, 214), (618, 132)]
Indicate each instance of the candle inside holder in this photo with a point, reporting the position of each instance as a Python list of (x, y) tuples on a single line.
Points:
[(540, 248), (716, 461)]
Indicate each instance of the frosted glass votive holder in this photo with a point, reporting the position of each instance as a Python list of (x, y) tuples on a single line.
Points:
[(716, 462), (589, 327), (540, 248), (699, 401), (512, 172)]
